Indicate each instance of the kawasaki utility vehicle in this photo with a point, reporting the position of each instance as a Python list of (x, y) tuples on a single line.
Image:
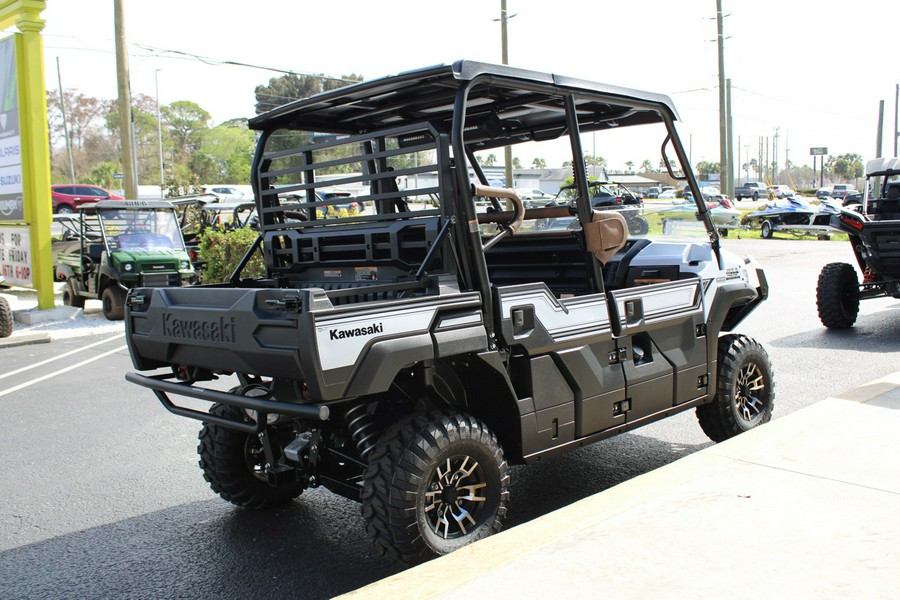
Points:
[(403, 356), (874, 231), (122, 244)]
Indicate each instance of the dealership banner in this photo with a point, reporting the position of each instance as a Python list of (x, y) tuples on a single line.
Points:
[(11, 204), (15, 256)]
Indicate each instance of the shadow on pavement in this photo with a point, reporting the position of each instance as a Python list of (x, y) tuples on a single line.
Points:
[(211, 549)]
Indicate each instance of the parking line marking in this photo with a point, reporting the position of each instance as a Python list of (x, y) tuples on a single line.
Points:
[(61, 371), (50, 360)]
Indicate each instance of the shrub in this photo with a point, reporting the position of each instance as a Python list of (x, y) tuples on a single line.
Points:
[(223, 249)]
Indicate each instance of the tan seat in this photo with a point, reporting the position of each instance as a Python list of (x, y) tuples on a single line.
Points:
[(606, 234)]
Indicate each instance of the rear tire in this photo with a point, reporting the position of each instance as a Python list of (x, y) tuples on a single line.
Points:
[(837, 296), (70, 298), (232, 462), (745, 389), (113, 299), (6, 319), (435, 482)]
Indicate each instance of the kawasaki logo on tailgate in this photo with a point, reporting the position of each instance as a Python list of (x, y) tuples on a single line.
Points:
[(341, 334), (199, 330)]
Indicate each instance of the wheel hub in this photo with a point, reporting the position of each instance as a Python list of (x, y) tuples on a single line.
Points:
[(750, 385), (455, 497)]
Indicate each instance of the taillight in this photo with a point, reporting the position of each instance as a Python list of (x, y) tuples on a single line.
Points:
[(851, 222)]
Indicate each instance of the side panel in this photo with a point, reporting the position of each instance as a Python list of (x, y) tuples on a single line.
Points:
[(573, 370), (662, 343)]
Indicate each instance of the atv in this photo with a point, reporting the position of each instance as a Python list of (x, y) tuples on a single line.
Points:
[(874, 232), (122, 244), (406, 354)]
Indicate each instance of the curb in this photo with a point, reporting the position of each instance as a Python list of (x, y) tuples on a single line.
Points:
[(25, 340), (773, 461)]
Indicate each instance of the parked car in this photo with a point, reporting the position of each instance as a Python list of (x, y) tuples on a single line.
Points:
[(823, 192), (753, 190), (68, 197), (533, 197), (783, 191), (225, 193), (852, 198), (839, 190), (668, 194)]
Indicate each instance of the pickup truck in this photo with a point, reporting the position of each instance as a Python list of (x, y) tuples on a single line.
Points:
[(752, 190)]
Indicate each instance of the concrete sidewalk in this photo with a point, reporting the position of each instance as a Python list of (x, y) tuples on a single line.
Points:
[(807, 506)]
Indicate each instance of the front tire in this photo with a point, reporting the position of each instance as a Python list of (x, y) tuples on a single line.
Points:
[(745, 389), (837, 296), (113, 299), (435, 482), (233, 464)]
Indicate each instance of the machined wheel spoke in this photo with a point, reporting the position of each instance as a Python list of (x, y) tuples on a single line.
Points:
[(467, 472), (471, 489), (461, 519)]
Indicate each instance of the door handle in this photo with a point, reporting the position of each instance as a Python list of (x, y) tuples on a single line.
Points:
[(634, 311)]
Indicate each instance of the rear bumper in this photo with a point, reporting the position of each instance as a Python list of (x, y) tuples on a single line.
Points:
[(162, 386)]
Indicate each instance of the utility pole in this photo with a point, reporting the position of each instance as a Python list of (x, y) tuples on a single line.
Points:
[(125, 133), (896, 127), (504, 41), (787, 150), (880, 132), (159, 137), (729, 186), (62, 108), (723, 127), (775, 155)]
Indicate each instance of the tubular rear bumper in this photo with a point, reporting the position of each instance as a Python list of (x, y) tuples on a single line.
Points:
[(162, 387)]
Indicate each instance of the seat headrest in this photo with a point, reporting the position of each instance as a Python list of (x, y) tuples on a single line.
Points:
[(606, 234)]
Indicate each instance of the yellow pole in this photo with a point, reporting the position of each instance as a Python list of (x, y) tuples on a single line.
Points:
[(34, 135)]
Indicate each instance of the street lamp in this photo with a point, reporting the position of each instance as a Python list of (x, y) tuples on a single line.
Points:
[(159, 135)]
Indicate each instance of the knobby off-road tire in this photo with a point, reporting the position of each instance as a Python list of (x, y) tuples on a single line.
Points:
[(6, 319), (70, 298), (837, 296), (745, 389), (232, 463), (113, 299), (435, 482), (638, 226)]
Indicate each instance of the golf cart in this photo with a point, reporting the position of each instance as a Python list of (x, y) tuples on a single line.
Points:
[(123, 244)]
